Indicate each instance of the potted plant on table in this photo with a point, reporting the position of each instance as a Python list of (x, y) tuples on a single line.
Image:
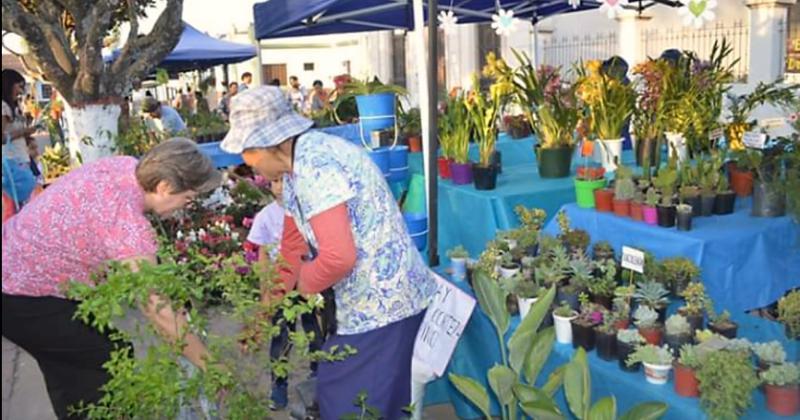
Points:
[(782, 386), (627, 342), (650, 208), (677, 332), (657, 362), (683, 217), (789, 313), (483, 112), (695, 297), (665, 182), (726, 198), (622, 305), (610, 103), (458, 129), (727, 380), (458, 262), (740, 108), (603, 251), (411, 125), (648, 116), (689, 191), (606, 338), (583, 325), (709, 178), (653, 295), (587, 180), (646, 319), (769, 354), (769, 195), (508, 267), (637, 205), (722, 323), (562, 318), (690, 359), (624, 191), (678, 272), (579, 273), (602, 287), (575, 240), (553, 113)]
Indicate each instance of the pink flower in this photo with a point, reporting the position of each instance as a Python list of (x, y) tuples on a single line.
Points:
[(247, 222), (596, 317)]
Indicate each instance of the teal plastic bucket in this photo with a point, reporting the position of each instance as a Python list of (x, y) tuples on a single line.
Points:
[(375, 113), (381, 158)]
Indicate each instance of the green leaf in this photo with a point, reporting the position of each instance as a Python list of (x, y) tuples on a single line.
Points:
[(578, 385), (542, 410), (493, 300), (650, 410), (605, 409), (521, 341), (502, 380), (473, 391), (554, 381), (539, 353)]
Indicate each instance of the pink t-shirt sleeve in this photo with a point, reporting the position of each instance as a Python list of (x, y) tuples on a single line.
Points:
[(131, 235)]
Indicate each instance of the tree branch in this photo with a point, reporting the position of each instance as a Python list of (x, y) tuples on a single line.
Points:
[(89, 32), (132, 36)]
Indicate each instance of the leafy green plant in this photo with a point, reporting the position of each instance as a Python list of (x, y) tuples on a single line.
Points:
[(677, 325), (785, 374), (770, 353), (651, 197), (691, 356), (679, 271), (455, 129), (727, 380), (575, 239), (483, 113), (665, 181), (789, 313), (652, 294), (651, 354), (610, 102), (457, 252), (624, 187), (564, 310), (357, 87), (605, 284), (630, 336), (136, 139), (695, 297)]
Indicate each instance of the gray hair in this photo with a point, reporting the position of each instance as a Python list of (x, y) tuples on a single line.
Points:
[(179, 163)]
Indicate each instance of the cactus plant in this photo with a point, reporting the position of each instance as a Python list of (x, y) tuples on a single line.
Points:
[(665, 182)]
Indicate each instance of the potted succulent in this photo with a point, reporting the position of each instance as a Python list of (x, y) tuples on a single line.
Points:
[(602, 287), (789, 313), (688, 362), (695, 297), (508, 267), (646, 319), (517, 126), (726, 198), (782, 386), (654, 295), (684, 217), (606, 338), (587, 180), (455, 130), (575, 240), (677, 332), (649, 210), (624, 191), (622, 305), (552, 112), (412, 128), (483, 114), (458, 262), (637, 205), (769, 195), (727, 380), (769, 354), (562, 318), (602, 251), (528, 292), (657, 362), (579, 272), (510, 285), (627, 342), (678, 273), (665, 182), (583, 325), (721, 323), (709, 178), (604, 200)]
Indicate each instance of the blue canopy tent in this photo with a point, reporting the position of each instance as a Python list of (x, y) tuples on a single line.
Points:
[(292, 18), (198, 51)]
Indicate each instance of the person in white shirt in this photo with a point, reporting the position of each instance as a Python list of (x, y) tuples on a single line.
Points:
[(247, 80), (170, 119), (296, 94)]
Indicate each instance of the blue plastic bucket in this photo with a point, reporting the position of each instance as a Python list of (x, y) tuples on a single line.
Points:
[(398, 164), (375, 113), (398, 175), (381, 158), (418, 229)]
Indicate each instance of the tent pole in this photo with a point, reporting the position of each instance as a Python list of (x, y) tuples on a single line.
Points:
[(433, 133), (418, 42)]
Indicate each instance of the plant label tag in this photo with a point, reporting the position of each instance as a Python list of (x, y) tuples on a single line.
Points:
[(444, 322), (754, 140), (715, 135), (633, 259)]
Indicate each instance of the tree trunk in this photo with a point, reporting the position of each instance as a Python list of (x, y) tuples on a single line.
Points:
[(92, 130)]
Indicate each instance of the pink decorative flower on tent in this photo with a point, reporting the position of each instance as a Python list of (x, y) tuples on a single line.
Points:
[(613, 7)]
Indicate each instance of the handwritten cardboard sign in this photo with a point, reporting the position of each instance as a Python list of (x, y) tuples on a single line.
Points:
[(633, 259), (754, 140)]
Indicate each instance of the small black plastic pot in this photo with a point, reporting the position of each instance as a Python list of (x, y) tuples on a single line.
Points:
[(724, 203), (623, 351), (684, 220), (497, 161), (662, 313), (695, 322), (582, 335), (606, 344), (707, 205), (697, 205), (675, 342), (666, 216), (570, 297), (484, 178)]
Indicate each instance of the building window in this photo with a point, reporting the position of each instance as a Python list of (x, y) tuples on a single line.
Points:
[(399, 59), (793, 41), (308, 66)]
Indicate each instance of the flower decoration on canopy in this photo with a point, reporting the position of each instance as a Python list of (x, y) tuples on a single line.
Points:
[(697, 12), (504, 23), (612, 7), (575, 3), (447, 20)]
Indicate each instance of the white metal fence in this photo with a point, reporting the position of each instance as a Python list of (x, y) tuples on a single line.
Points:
[(566, 51)]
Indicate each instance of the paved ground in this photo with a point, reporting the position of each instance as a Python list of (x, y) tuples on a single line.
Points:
[(25, 396)]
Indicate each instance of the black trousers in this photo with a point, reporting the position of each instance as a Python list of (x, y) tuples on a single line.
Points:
[(70, 353)]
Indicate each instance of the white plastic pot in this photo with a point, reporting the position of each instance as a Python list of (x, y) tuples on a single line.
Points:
[(677, 142), (564, 328), (459, 267), (507, 273), (656, 374), (525, 306), (607, 152)]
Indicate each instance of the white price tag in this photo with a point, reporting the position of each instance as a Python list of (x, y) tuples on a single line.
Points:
[(715, 134), (754, 140), (444, 321), (633, 259)]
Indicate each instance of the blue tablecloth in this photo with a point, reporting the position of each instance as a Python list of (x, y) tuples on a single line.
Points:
[(746, 262), (478, 350)]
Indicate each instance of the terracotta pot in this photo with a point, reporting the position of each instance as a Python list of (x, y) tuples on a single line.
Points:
[(686, 383), (622, 324), (651, 335), (741, 181), (783, 400), (637, 211), (444, 168), (414, 144), (622, 208), (603, 200)]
